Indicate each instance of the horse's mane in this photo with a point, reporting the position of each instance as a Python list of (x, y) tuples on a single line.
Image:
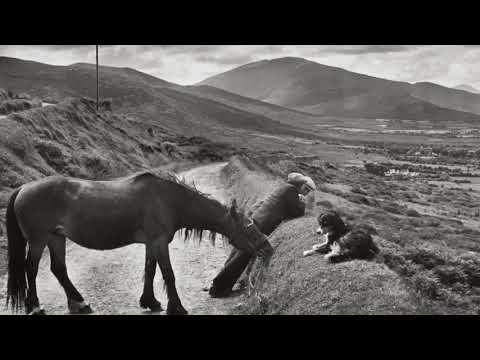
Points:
[(172, 177), (188, 233)]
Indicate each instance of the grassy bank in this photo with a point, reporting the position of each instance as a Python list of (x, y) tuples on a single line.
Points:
[(425, 261)]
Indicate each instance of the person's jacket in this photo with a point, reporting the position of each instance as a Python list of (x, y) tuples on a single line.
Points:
[(282, 204)]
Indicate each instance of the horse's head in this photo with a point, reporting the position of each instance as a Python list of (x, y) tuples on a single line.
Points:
[(245, 234)]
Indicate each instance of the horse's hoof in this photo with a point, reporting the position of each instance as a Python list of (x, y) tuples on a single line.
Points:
[(37, 311), (154, 305), (84, 310), (87, 309), (176, 310)]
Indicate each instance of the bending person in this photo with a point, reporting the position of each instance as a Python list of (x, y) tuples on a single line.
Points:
[(286, 202)]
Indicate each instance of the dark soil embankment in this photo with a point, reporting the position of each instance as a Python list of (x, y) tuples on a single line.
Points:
[(293, 284)]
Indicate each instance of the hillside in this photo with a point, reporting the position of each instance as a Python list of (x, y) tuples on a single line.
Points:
[(57, 82), (428, 264), (449, 98), (466, 87), (152, 100), (315, 88), (73, 139), (274, 112), (310, 286)]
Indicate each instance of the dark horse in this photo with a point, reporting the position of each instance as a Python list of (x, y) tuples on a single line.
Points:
[(143, 208)]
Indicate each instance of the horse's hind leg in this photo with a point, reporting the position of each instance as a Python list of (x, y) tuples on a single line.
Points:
[(32, 305), (148, 297), (76, 303), (160, 249)]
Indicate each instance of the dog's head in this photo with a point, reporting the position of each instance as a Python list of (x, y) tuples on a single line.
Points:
[(330, 223)]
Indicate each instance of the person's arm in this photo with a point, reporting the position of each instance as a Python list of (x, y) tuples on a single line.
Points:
[(255, 207), (295, 206)]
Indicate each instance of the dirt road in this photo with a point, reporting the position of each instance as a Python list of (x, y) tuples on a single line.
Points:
[(111, 281)]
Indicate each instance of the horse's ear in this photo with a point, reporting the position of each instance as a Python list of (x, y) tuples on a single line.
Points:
[(233, 209)]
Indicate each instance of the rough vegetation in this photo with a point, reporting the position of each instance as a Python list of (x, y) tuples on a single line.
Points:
[(73, 139), (430, 263), (10, 102)]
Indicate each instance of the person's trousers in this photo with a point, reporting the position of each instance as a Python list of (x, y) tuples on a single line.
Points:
[(235, 265)]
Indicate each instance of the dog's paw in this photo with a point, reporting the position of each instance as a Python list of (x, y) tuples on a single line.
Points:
[(335, 248), (317, 246), (308, 252)]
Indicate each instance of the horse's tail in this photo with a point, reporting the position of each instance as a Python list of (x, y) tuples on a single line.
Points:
[(17, 244)]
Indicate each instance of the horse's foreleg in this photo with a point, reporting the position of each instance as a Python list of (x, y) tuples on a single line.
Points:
[(32, 304), (76, 303), (148, 299), (160, 247)]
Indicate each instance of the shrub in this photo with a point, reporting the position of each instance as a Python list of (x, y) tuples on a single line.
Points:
[(427, 284), (358, 199), (425, 257), (391, 207), (325, 203), (18, 142), (471, 267), (412, 213), (450, 275), (96, 166), (53, 154), (356, 189)]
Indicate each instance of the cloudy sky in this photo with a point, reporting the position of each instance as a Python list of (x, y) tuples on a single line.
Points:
[(448, 65)]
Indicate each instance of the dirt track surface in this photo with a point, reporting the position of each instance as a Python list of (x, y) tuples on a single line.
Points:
[(111, 281)]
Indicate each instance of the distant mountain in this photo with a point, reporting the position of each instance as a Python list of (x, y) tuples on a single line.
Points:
[(315, 88), (446, 97), (466, 87), (274, 112), (148, 98), (75, 80)]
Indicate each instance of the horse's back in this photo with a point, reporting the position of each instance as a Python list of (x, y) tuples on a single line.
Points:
[(82, 210)]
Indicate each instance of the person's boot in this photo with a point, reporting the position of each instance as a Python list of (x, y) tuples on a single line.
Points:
[(215, 293)]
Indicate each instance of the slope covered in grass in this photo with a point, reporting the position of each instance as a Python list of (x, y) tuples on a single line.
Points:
[(296, 285), (73, 139), (148, 98), (425, 265)]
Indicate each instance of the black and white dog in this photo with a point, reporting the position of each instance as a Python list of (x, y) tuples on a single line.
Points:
[(343, 242)]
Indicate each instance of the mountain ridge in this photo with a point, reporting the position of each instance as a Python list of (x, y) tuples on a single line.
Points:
[(311, 87), (468, 88), (151, 99)]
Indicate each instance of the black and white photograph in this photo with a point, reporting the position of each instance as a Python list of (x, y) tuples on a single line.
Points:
[(239, 180)]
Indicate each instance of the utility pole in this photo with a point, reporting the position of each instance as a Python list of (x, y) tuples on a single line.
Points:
[(97, 73)]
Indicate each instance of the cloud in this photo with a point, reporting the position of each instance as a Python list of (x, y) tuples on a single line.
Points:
[(233, 60), (367, 49), (187, 64)]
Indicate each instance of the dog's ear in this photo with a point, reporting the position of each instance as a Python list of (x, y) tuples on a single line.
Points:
[(319, 217), (340, 222)]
